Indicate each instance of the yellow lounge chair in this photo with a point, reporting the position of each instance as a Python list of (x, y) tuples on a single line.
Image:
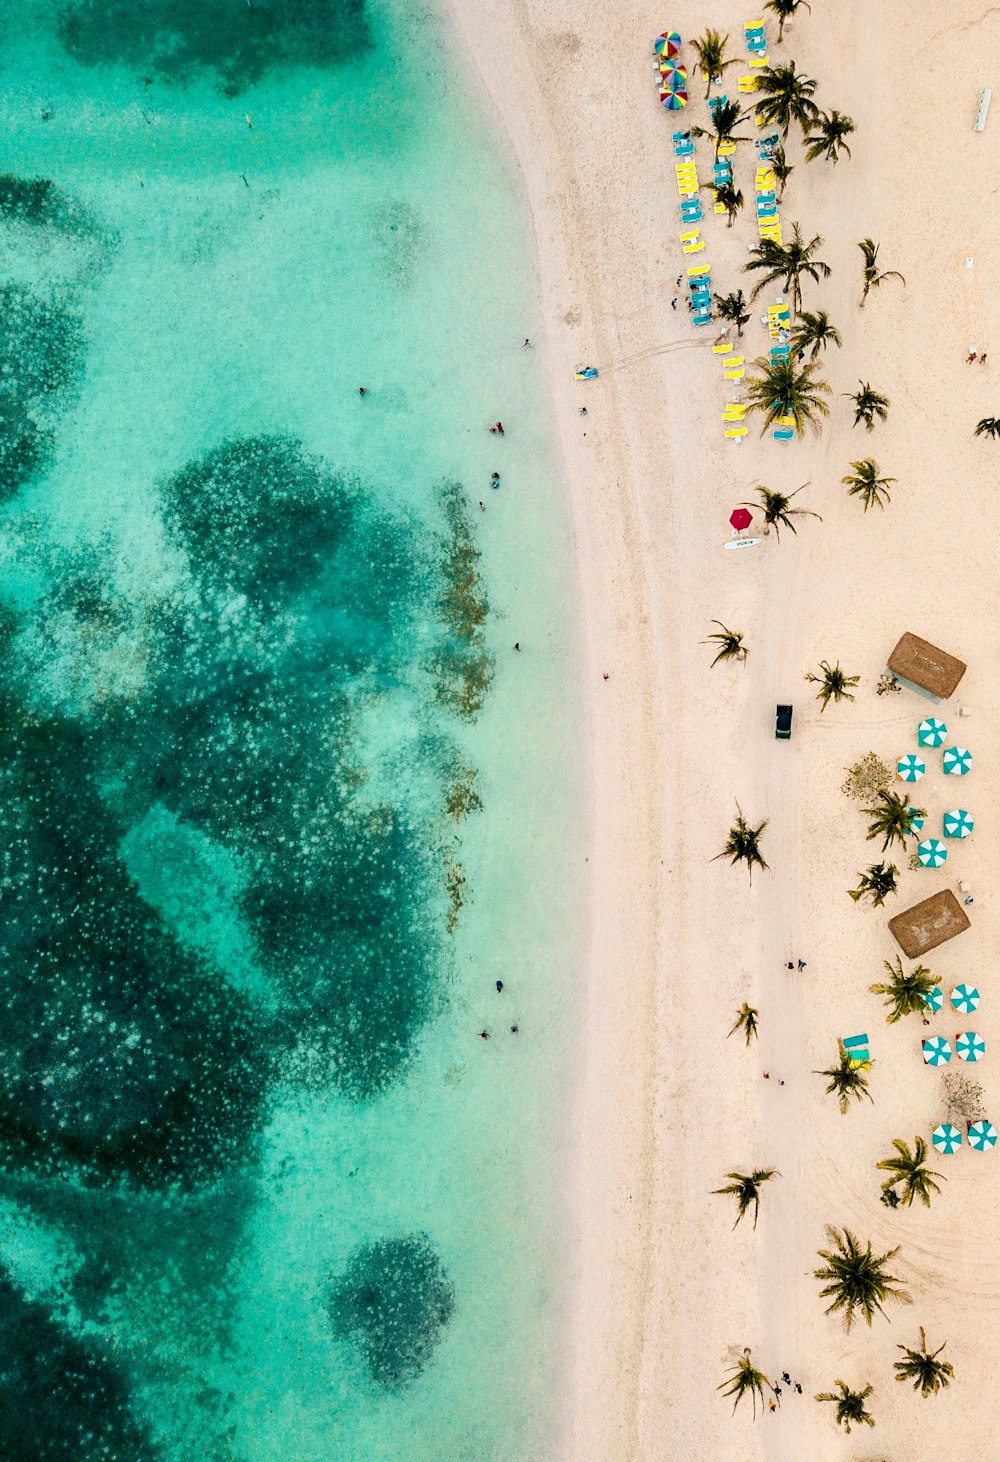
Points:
[(694, 248), (727, 149), (695, 270), (736, 433), (759, 59), (722, 349), (688, 236), (748, 83)]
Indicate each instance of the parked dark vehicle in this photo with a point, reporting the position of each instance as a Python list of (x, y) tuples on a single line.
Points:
[(783, 723)]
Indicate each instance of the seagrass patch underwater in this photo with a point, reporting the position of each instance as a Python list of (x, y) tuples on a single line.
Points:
[(261, 838)]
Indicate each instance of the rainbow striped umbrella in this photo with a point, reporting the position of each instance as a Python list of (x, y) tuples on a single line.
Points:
[(933, 1001), (910, 767), (956, 761), (947, 1138), (965, 998), (937, 1051), (670, 42), (932, 853), (931, 732), (970, 1046), (674, 100), (982, 1135), (673, 76), (958, 824)]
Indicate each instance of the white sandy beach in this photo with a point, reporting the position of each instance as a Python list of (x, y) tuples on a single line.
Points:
[(666, 1294)]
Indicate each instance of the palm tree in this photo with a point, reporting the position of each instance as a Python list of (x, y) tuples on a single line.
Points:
[(846, 1081), (892, 818), (787, 97), (746, 1380), (868, 405), (731, 199), (746, 1021), (788, 263), (865, 483), (876, 883), (833, 684), (910, 1170), (850, 1405), (784, 10), (782, 170), (745, 1188), (784, 388), (743, 844), (711, 49), (905, 994), (724, 120), (730, 642), (923, 1368), (870, 275), (778, 511), (988, 427), (814, 331), (828, 141), (733, 307), (856, 1279)]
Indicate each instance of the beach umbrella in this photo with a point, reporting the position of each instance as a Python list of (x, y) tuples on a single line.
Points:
[(910, 767), (674, 100), (931, 732), (673, 76), (970, 1046), (947, 1138), (937, 1051), (934, 1000), (965, 998), (957, 761), (916, 823), (958, 824), (982, 1135), (932, 853), (740, 518)]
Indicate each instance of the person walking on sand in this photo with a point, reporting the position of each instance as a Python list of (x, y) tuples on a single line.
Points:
[(970, 357), (982, 358)]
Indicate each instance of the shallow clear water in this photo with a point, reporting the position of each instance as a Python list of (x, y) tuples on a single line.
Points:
[(279, 802)]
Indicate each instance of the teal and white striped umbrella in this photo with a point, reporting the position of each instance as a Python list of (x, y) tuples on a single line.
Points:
[(965, 998), (958, 824), (932, 853), (916, 821), (933, 1001), (947, 1138), (970, 1046), (982, 1135), (937, 1051), (931, 732), (957, 761), (910, 767)]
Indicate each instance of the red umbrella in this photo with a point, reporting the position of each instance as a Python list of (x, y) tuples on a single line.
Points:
[(740, 518)]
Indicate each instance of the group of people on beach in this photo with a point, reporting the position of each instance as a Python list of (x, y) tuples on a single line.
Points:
[(973, 355), (792, 1385)]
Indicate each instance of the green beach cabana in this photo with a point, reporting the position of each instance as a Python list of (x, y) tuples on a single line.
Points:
[(958, 824), (916, 822), (970, 1046), (947, 1138), (957, 761), (910, 768), (932, 853), (931, 732), (965, 999), (982, 1135), (934, 1000), (937, 1051)]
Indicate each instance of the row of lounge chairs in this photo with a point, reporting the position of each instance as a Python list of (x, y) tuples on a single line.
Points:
[(756, 43), (700, 286)]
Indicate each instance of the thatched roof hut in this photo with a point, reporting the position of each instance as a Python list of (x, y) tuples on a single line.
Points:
[(922, 667), (928, 924)]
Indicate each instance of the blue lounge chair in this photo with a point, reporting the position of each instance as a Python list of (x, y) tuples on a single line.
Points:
[(682, 136), (783, 434), (715, 102), (683, 149), (702, 317)]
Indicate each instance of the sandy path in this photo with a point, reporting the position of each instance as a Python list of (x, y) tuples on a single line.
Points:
[(666, 1293)]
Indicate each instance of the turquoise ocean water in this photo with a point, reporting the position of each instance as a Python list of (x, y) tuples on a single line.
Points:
[(279, 802)]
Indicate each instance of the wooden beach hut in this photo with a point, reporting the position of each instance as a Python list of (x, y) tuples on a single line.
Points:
[(926, 925), (922, 667)]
